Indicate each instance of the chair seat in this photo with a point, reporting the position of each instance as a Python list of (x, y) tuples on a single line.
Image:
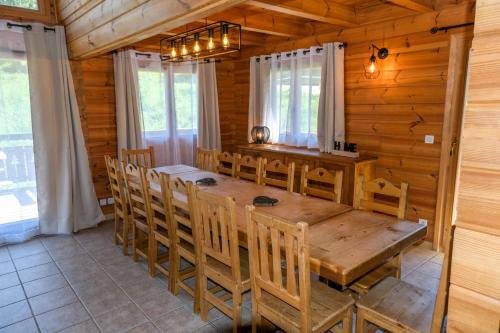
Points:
[(399, 305), (327, 304), (363, 285), (225, 275)]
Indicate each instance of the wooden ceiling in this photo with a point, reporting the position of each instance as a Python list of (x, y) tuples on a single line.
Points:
[(274, 21), (98, 26)]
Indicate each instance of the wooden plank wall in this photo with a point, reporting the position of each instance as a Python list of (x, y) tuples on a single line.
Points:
[(94, 85), (474, 301), (387, 117)]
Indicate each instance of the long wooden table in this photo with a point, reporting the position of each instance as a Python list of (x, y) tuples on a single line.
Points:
[(345, 244)]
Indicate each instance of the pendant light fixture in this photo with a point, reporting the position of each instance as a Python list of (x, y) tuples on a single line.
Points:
[(202, 43), (372, 70)]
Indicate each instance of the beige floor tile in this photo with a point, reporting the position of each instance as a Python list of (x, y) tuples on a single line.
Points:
[(423, 281), (431, 269), (25, 249), (438, 258), (145, 286), (52, 300), (121, 319), (7, 267), (60, 318), (13, 313), (103, 299), (25, 326), (179, 321), (38, 272), (11, 295), (9, 280), (209, 328), (54, 242), (86, 327), (225, 324), (4, 254), (33, 260), (44, 285), (158, 304), (147, 327), (68, 251)]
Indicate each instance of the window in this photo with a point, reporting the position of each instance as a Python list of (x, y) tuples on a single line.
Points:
[(26, 4), (154, 99), (292, 99)]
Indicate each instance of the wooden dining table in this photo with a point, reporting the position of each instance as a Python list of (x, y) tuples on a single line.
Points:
[(345, 244)]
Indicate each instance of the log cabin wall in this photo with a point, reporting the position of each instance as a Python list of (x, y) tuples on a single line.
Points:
[(388, 117)]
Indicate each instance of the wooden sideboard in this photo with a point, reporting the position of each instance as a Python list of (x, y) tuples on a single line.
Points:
[(350, 166)]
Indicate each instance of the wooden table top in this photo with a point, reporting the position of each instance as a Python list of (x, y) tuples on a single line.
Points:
[(345, 244)]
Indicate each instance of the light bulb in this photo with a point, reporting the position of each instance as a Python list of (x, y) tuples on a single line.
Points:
[(210, 44), (173, 51), (196, 47), (225, 35), (372, 67), (184, 49)]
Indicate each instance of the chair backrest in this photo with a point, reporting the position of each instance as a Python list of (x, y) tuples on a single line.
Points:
[(226, 164), (272, 245), (248, 167), (156, 202), (207, 159), (137, 198), (118, 191), (215, 219), (321, 183), (141, 157), (276, 173), (365, 197), (180, 208)]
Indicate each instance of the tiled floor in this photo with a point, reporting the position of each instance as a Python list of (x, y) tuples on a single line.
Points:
[(83, 283)]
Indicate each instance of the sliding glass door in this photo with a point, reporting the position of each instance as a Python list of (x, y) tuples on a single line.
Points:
[(18, 198)]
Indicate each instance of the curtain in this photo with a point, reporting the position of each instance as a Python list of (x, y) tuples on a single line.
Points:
[(128, 113), (331, 124), (289, 94), (208, 109), (65, 192)]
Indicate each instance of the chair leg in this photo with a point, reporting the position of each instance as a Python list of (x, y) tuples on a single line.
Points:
[(117, 222), (360, 321), (125, 236), (236, 311), (203, 300), (347, 322), (197, 291), (135, 239), (397, 263), (152, 254), (174, 274)]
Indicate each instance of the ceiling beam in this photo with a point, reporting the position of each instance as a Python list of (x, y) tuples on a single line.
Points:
[(325, 14), (150, 18), (412, 5)]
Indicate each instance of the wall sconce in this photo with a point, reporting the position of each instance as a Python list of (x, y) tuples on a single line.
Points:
[(371, 69)]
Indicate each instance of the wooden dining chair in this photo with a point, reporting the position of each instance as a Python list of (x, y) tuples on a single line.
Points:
[(276, 173), (226, 164), (141, 157), (321, 183), (248, 167), (159, 223), (369, 196), (121, 208), (207, 159), (184, 240), (222, 261), (134, 180), (282, 290)]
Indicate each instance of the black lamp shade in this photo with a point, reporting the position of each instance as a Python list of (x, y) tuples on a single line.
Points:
[(260, 134)]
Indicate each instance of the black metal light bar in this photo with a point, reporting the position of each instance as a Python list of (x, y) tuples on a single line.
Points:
[(445, 29), (175, 48)]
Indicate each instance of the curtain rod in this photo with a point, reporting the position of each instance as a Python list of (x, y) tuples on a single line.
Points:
[(445, 29), (341, 46), (28, 27)]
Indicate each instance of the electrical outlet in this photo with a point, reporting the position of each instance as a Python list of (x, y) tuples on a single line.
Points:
[(111, 201), (422, 222), (429, 139), (102, 202)]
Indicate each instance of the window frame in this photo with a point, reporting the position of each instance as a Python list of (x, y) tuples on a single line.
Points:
[(43, 14)]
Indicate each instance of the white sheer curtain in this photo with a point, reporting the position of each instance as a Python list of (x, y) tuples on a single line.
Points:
[(128, 113), (168, 97), (65, 191), (286, 90)]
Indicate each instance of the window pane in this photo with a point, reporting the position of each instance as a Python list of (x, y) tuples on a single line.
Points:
[(28, 4), (186, 101), (152, 91), (18, 200)]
